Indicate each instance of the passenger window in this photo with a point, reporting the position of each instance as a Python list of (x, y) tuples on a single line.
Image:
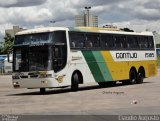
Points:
[(150, 42), (117, 41), (124, 42), (76, 40), (143, 42), (107, 41), (92, 41), (132, 42), (60, 37), (120, 41)]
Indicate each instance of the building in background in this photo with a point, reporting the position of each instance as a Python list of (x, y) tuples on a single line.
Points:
[(87, 19), (13, 31), (79, 20)]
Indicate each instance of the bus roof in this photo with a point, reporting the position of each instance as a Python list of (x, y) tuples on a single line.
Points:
[(108, 30), (40, 30), (82, 29)]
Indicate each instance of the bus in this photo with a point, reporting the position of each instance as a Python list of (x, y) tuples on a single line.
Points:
[(60, 57)]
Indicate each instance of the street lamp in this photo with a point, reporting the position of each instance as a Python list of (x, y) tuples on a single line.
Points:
[(87, 15)]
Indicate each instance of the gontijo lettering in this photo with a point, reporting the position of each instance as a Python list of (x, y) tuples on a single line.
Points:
[(126, 55)]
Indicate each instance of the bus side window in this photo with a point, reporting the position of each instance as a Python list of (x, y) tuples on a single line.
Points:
[(107, 41), (117, 40), (60, 37), (92, 41), (132, 42), (150, 42), (123, 42), (143, 42), (76, 40)]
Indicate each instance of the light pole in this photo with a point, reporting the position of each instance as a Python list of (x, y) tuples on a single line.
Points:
[(87, 15)]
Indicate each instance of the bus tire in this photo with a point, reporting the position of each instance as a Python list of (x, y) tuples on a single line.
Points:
[(42, 90), (140, 76), (75, 82), (132, 76)]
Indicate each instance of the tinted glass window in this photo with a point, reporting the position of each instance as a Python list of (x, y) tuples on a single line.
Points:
[(117, 41), (59, 37), (107, 41), (150, 42), (38, 38), (124, 42), (92, 41), (132, 42), (76, 40), (143, 42)]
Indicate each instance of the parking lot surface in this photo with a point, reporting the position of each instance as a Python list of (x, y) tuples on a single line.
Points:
[(121, 99)]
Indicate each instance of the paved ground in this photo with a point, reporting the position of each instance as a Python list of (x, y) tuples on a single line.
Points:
[(89, 100)]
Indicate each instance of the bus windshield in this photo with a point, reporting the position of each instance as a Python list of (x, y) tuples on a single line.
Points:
[(32, 59), (39, 38), (36, 52)]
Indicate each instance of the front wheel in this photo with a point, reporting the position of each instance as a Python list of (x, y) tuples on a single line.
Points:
[(75, 82), (42, 90)]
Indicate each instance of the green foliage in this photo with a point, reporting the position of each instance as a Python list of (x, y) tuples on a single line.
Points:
[(8, 44), (157, 45), (127, 30)]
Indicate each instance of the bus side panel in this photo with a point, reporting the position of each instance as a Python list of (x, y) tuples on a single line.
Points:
[(118, 70), (79, 63), (97, 66)]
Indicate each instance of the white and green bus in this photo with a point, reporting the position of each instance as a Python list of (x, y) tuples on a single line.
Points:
[(60, 57)]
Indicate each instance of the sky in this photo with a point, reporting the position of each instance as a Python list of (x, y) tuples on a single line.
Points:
[(139, 15)]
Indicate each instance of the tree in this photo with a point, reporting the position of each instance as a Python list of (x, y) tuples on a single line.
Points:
[(157, 45), (127, 30), (8, 44)]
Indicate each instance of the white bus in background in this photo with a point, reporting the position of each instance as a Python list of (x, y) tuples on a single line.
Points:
[(8, 66)]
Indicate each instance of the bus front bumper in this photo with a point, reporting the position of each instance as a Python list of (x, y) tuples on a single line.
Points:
[(37, 83)]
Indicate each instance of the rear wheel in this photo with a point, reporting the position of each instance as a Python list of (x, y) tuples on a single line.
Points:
[(42, 90), (75, 82), (140, 77), (132, 77)]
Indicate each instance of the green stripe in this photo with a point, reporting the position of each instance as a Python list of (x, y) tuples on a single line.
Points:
[(102, 65), (94, 67)]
